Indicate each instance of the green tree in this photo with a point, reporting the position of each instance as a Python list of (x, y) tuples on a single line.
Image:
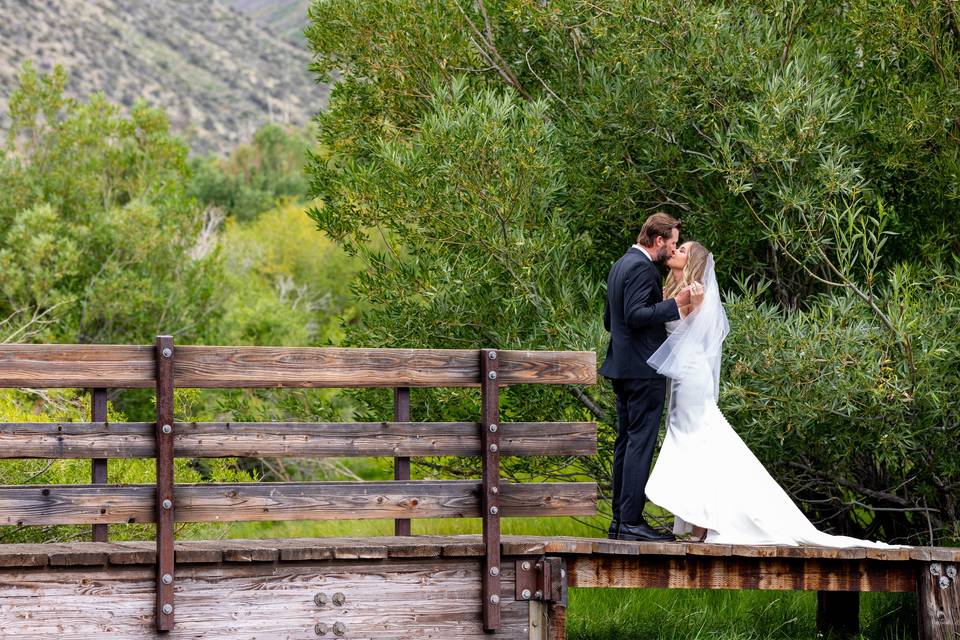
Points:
[(255, 176), (98, 238), (488, 161)]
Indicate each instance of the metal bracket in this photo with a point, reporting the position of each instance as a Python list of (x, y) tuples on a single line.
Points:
[(542, 579)]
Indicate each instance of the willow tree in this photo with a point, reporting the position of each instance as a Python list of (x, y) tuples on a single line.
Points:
[(488, 161)]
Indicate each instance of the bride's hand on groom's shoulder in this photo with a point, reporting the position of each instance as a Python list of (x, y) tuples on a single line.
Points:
[(683, 297)]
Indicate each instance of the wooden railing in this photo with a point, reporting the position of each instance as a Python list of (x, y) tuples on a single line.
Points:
[(166, 367)]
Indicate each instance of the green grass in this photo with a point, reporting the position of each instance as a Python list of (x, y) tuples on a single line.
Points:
[(642, 614), (675, 614)]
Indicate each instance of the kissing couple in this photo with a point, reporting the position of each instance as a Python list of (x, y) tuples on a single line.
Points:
[(705, 475)]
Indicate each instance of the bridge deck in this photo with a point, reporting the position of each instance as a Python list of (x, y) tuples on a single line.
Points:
[(426, 546), (415, 586)]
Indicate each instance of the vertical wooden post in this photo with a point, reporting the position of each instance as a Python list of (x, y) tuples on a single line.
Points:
[(165, 501), (838, 612), (938, 601), (490, 500), (401, 465), (98, 413), (557, 621)]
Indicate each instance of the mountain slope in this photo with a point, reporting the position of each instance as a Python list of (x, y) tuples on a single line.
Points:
[(217, 72), (286, 17)]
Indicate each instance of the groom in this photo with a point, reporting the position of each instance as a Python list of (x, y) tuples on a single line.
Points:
[(635, 314)]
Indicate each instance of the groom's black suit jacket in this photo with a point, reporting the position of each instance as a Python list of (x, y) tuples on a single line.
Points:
[(635, 314)]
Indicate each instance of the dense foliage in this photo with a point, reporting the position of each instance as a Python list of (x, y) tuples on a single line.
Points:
[(98, 239), (102, 242), (255, 176), (488, 161)]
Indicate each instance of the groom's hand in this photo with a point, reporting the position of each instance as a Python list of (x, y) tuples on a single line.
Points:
[(683, 297)]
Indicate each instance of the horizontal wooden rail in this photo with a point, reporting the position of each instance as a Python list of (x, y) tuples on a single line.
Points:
[(291, 439), (119, 366), (111, 504)]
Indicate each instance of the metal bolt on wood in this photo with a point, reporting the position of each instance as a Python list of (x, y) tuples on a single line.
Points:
[(165, 483), (167, 578), (525, 566), (489, 445), (944, 582), (320, 599), (951, 571), (320, 629), (935, 569), (339, 599), (339, 629), (526, 594), (167, 428), (494, 571)]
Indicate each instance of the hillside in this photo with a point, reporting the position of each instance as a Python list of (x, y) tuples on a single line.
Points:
[(288, 18), (218, 72)]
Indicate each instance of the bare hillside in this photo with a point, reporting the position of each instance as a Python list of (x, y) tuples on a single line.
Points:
[(217, 72)]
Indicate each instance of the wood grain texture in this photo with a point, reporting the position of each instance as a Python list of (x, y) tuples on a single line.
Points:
[(290, 439), (132, 366), (98, 466), (717, 572), (96, 504), (432, 598), (491, 504), (401, 464), (938, 601), (401, 547)]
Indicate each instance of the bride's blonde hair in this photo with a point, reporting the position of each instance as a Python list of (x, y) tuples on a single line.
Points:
[(693, 271)]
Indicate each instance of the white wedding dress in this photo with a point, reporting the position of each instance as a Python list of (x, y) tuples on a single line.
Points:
[(705, 475)]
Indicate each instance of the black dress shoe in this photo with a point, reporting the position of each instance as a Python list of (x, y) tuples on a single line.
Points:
[(642, 532), (614, 529)]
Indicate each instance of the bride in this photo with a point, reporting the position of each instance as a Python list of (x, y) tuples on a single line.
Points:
[(705, 475)]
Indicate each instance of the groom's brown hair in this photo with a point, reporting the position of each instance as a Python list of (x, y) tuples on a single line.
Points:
[(659, 225)]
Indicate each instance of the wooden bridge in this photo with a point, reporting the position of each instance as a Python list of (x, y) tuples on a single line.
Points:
[(405, 586)]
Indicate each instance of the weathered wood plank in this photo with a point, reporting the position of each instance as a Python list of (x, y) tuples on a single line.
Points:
[(24, 555), (805, 551), (434, 598), (938, 601), (898, 553), (77, 365), (463, 547), (132, 366), (569, 544), (92, 504), (290, 439), (708, 549), (134, 552), (713, 572)]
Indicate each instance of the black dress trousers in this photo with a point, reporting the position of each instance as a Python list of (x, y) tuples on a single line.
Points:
[(639, 408)]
